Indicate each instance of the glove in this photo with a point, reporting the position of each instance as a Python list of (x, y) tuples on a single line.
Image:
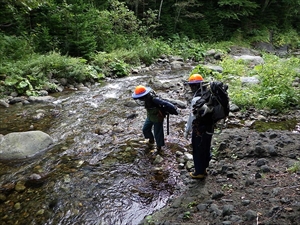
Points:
[(185, 134), (205, 109)]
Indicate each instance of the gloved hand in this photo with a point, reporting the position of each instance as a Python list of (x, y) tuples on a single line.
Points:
[(205, 109), (186, 135)]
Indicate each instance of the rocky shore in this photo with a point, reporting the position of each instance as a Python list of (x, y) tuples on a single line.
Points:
[(254, 178)]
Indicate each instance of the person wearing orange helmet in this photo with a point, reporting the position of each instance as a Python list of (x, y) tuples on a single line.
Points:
[(202, 128), (154, 119)]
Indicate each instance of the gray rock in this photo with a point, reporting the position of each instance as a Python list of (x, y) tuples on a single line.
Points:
[(41, 99), (227, 210), (261, 162), (265, 169), (214, 68), (250, 215), (20, 145), (4, 103), (256, 60), (249, 80)]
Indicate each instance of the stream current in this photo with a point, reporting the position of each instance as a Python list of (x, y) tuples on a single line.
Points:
[(98, 172)]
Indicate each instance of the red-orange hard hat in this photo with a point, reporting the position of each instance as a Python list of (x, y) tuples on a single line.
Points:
[(140, 91), (195, 78)]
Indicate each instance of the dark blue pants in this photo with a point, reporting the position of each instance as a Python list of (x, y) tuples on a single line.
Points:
[(201, 151), (158, 132)]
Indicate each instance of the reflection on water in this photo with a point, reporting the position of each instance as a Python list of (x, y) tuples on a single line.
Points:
[(98, 173)]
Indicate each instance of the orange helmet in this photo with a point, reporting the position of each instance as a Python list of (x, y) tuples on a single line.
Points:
[(140, 91), (195, 78)]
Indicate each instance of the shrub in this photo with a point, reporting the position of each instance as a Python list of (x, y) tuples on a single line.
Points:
[(28, 76)]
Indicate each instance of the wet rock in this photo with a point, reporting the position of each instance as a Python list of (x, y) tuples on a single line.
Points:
[(83, 89), (43, 93), (39, 116), (158, 160), (215, 210), (16, 100), (41, 99), (261, 162), (20, 186), (202, 207), (189, 165), (4, 103), (17, 206), (227, 210), (2, 198), (188, 156), (249, 182), (272, 150), (20, 145), (35, 181), (260, 151), (265, 169), (250, 215), (246, 202), (217, 195), (234, 108)]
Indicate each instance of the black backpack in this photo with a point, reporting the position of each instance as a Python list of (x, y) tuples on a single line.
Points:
[(165, 106), (217, 98)]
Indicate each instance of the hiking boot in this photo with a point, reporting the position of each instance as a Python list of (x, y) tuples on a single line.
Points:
[(197, 176), (148, 142), (151, 141), (159, 151)]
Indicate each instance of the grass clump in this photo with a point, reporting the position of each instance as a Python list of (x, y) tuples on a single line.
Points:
[(275, 89)]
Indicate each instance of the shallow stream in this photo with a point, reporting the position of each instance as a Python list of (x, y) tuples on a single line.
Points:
[(98, 172)]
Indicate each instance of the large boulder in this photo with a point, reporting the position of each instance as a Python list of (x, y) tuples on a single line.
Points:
[(21, 145)]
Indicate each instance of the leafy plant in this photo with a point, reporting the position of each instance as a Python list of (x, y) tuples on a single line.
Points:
[(275, 89), (295, 168), (206, 72), (149, 220), (119, 68), (227, 187), (187, 215)]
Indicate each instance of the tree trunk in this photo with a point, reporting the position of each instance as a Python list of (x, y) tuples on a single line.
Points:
[(159, 11)]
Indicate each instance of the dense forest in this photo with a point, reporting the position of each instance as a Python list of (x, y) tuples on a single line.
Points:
[(43, 41), (81, 27)]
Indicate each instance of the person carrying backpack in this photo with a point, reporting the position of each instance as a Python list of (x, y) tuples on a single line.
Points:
[(202, 127), (156, 109)]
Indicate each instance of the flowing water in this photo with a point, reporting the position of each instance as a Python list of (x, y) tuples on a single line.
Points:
[(98, 172)]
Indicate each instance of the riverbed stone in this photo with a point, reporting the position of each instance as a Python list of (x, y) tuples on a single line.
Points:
[(20, 145)]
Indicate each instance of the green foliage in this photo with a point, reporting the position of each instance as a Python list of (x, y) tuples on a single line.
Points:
[(119, 68), (187, 215), (289, 37), (275, 90), (14, 48), (235, 67), (236, 9), (114, 62), (149, 220), (206, 72), (21, 84), (188, 49), (295, 168), (30, 75)]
